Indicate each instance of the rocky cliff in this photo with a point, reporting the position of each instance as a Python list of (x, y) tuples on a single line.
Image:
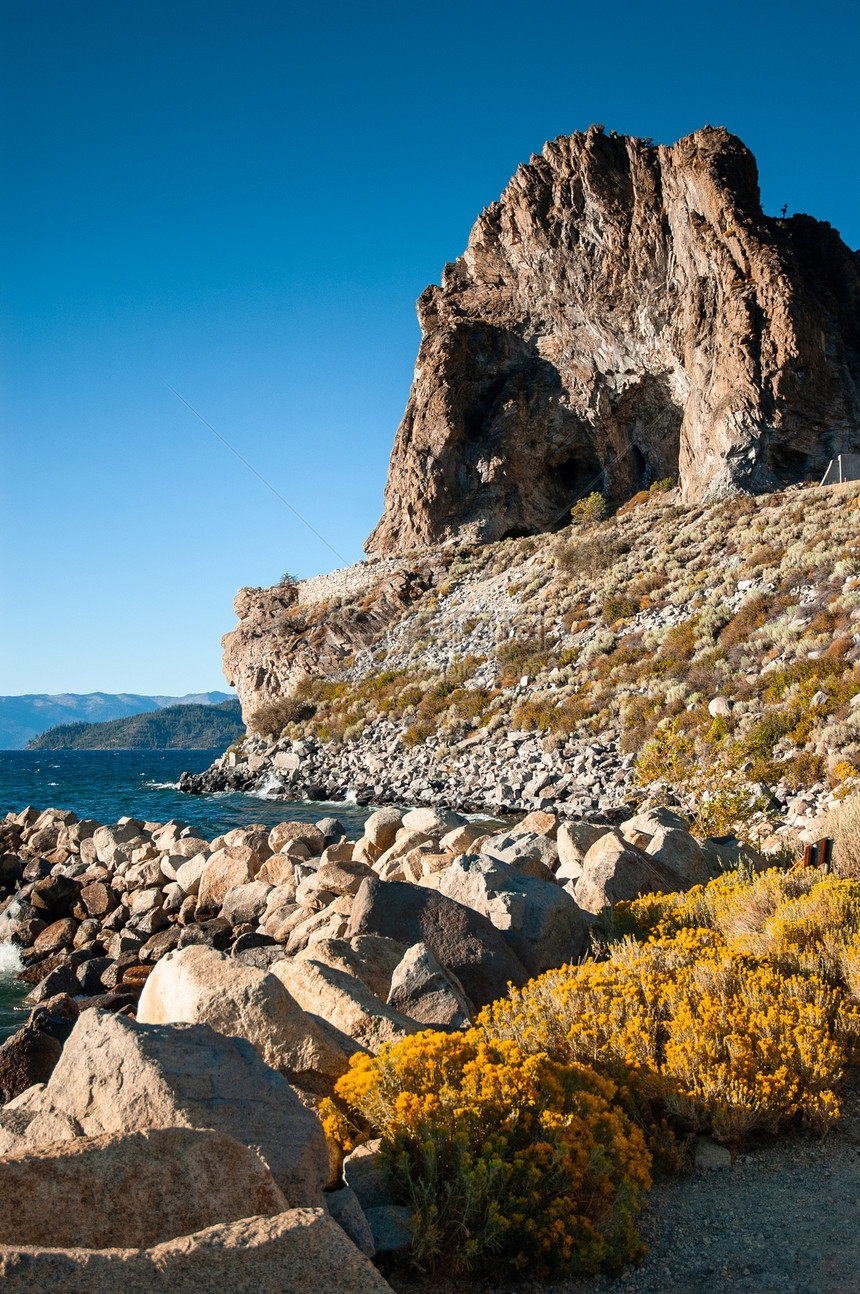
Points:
[(624, 313), (295, 631)]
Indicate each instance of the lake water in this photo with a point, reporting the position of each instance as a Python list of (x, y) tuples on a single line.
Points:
[(110, 784)]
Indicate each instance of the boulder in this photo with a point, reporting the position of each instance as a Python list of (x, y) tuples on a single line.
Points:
[(342, 877), (615, 870), (306, 832), (681, 853), (29, 1120), (54, 894), (295, 1252), (59, 980), (425, 992), (433, 822), (370, 958), (574, 839), (343, 1001), (365, 1176), (344, 1207), (59, 934), (463, 940), (28, 1057), (279, 870), (188, 874), (121, 1075), (366, 852), (132, 1189), (198, 985), (405, 843), (221, 872), (390, 1228), (332, 830), (460, 839), (245, 903), (382, 827), (530, 853), (539, 823), (652, 820), (98, 899), (541, 923)]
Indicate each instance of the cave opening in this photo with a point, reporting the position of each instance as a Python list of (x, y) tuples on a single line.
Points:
[(791, 466)]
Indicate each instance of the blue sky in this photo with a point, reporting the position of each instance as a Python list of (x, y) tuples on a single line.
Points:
[(244, 200)]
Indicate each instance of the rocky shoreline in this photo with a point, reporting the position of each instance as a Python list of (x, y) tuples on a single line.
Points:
[(592, 781), (168, 969)]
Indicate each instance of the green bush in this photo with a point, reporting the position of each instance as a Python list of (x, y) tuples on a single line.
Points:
[(588, 511)]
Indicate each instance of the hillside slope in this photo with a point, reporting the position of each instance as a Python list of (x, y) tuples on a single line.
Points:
[(710, 653)]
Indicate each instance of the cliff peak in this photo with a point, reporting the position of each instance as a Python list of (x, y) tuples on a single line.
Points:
[(624, 313)]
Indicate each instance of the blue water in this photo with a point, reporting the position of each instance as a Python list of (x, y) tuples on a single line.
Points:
[(110, 784)]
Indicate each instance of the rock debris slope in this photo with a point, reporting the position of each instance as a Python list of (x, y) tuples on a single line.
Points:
[(624, 313)]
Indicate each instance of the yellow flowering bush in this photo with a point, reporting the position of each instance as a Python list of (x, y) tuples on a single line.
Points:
[(734, 1013), (503, 1156)]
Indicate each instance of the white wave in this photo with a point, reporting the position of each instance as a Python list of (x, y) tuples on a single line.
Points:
[(10, 959), (162, 786), (270, 786)]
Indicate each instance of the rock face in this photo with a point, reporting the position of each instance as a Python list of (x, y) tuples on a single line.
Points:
[(132, 1190), (118, 1076), (292, 1252), (622, 314), (269, 651)]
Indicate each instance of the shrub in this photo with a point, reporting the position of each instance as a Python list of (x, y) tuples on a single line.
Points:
[(588, 511), (274, 717), (504, 1159), (619, 607), (714, 1036), (706, 772)]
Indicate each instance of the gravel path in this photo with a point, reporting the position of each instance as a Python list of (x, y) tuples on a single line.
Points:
[(783, 1218)]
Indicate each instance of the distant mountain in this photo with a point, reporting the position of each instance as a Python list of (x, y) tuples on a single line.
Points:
[(177, 727), (24, 717)]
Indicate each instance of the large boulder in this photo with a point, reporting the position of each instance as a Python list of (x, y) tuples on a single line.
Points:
[(369, 958), (425, 992), (30, 1120), (541, 923), (382, 827), (295, 1252), (574, 840), (614, 870), (120, 1075), (433, 822), (197, 985), (132, 1189), (226, 868), (343, 1001), (462, 940), (530, 852), (285, 832), (680, 852)]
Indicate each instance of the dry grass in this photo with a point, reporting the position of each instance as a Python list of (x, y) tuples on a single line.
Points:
[(842, 824)]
